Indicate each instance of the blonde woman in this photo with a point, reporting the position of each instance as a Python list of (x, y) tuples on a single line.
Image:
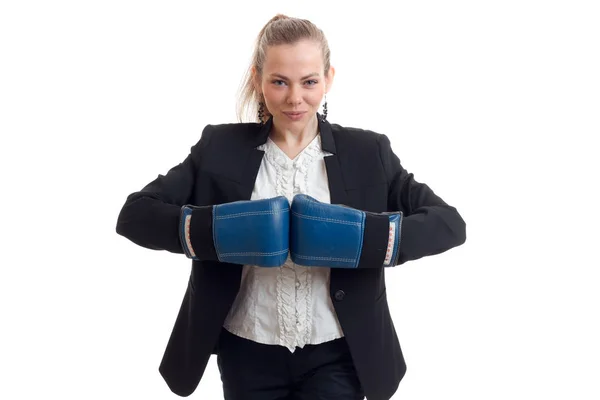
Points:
[(290, 222)]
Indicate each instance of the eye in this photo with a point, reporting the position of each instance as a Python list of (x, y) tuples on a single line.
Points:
[(278, 82), (312, 82)]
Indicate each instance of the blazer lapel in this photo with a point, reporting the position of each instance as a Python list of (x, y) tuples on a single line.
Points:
[(337, 190), (253, 159)]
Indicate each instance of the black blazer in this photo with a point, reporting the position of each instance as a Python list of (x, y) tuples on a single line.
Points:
[(363, 173)]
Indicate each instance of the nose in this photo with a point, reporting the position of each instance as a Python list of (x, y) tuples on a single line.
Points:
[(294, 96)]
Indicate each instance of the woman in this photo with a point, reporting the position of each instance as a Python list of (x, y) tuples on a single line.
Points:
[(290, 223)]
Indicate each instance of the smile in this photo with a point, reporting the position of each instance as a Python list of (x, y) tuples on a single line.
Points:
[(295, 115)]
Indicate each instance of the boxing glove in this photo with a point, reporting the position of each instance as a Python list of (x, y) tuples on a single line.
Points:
[(337, 236), (253, 232)]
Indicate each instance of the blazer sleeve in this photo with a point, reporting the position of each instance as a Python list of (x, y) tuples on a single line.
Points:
[(150, 217), (429, 225)]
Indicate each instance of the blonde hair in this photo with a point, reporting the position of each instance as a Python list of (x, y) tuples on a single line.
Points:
[(280, 29)]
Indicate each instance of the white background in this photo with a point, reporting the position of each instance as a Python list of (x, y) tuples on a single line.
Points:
[(494, 104)]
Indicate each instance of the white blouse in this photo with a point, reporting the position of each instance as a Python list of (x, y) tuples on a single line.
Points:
[(288, 306)]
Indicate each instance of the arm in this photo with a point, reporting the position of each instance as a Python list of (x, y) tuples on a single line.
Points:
[(418, 223), (159, 217), (429, 225), (150, 217)]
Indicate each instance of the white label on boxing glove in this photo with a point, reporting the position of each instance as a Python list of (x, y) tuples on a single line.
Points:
[(188, 241), (391, 244)]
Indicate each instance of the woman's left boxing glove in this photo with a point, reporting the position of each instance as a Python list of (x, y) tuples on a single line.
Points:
[(337, 236), (252, 232)]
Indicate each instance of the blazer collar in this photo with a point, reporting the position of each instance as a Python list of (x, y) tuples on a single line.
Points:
[(335, 176), (327, 142)]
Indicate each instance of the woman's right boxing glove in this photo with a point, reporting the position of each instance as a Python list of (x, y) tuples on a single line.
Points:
[(252, 232)]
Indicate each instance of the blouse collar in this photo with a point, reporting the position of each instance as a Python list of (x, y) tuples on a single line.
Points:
[(325, 135)]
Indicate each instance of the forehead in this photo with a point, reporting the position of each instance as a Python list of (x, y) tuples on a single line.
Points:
[(294, 59)]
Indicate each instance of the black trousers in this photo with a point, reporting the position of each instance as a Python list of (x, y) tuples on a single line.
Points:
[(255, 371)]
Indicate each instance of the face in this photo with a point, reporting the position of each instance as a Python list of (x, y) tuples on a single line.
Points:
[(293, 83)]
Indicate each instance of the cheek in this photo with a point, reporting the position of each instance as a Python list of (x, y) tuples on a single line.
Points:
[(315, 97), (272, 95)]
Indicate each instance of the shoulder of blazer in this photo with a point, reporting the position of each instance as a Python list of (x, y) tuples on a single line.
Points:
[(223, 149), (230, 136), (356, 140), (352, 133), (225, 139), (359, 152)]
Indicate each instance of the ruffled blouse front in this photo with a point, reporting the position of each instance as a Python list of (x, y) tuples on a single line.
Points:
[(290, 305)]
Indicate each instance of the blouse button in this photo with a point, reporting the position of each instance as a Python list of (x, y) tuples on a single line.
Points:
[(339, 295)]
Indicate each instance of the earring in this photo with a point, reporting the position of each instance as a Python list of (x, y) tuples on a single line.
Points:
[(325, 109), (261, 112)]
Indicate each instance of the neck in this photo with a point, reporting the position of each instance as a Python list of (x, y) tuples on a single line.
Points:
[(293, 138)]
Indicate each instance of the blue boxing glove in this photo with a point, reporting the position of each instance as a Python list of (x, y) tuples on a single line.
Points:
[(253, 232), (337, 236)]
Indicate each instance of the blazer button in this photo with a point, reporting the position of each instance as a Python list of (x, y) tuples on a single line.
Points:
[(339, 295)]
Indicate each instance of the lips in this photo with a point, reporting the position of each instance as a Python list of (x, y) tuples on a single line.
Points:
[(295, 115)]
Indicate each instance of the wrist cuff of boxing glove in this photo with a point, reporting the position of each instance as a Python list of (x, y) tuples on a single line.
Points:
[(196, 233), (381, 242)]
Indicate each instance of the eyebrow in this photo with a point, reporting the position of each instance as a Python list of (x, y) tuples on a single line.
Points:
[(303, 78)]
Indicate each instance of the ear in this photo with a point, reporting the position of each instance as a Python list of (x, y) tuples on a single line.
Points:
[(329, 79)]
